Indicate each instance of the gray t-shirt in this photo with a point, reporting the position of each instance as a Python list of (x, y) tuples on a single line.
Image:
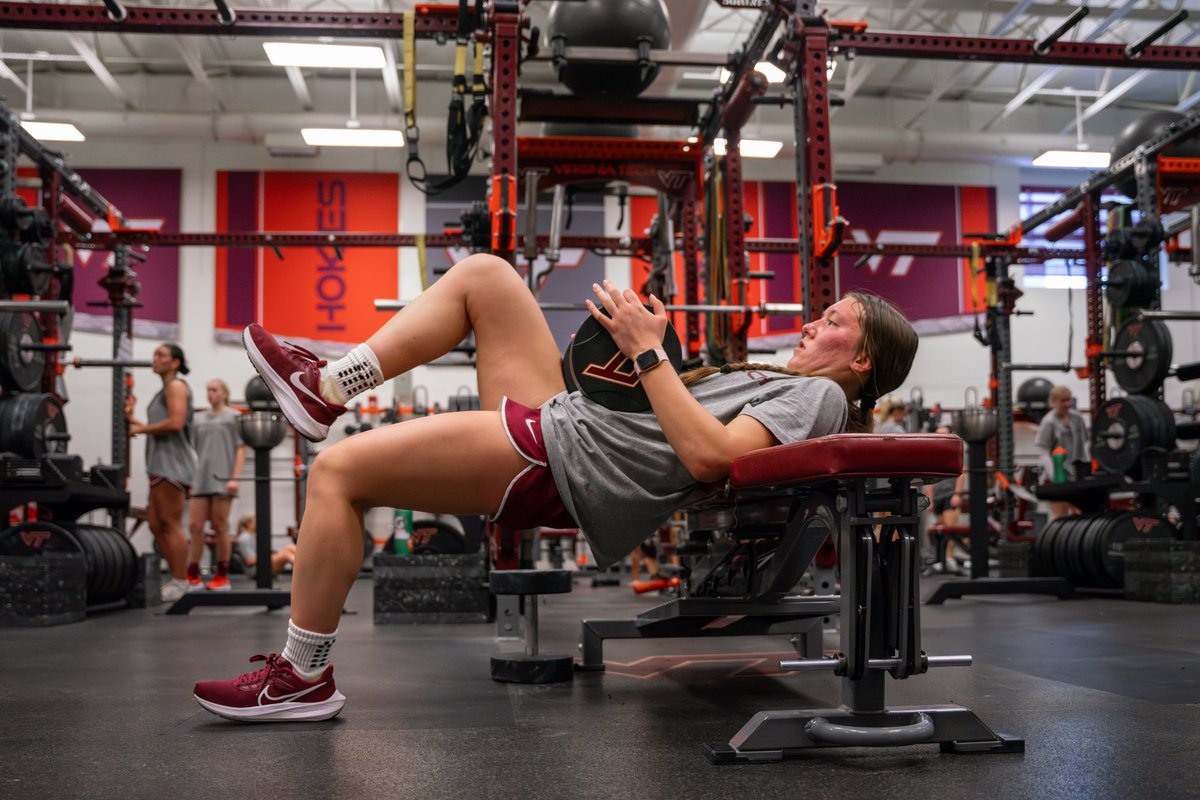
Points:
[(217, 441), (170, 455), (620, 479), (1069, 434)]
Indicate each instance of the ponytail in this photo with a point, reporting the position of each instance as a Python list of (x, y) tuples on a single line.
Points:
[(858, 417)]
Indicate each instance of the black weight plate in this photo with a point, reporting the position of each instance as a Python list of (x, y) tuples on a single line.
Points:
[(1130, 285), (1048, 547), (606, 375), (111, 565), (1093, 566), (95, 558), (1061, 544), (1121, 431), (1168, 429), (1145, 372), (1051, 533), (1073, 552), (26, 269), (1046, 540), (35, 538), (115, 563), (20, 370), (436, 537)]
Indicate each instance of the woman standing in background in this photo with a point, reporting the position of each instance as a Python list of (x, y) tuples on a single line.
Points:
[(170, 461), (220, 456)]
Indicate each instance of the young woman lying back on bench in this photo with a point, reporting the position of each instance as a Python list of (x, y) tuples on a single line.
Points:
[(538, 456)]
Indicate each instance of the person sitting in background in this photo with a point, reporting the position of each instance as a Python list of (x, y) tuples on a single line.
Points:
[(1065, 428), (247, 545), (892, 413), (946, 504)]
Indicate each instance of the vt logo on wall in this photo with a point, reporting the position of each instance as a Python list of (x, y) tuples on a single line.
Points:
[(313, 293)]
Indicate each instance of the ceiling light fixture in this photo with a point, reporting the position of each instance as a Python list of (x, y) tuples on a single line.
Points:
[(52, 131), (1079, 158), (750, 148), (352, 137), (1072, 159), (332, 56), (44, 131)]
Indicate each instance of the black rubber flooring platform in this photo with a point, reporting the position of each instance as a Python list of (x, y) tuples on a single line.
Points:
[(1105, 692)]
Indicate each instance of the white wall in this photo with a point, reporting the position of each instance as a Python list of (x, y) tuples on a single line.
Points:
[(945, 366)]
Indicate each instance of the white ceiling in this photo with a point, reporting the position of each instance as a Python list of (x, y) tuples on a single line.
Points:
[(222, 89)]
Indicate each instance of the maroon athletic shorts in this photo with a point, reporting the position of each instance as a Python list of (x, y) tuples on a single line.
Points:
[(531, 499)]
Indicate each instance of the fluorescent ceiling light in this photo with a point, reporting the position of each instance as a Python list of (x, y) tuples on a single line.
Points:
[(52, 131), (1072, 159), (750, 148), (352, 137), (336, 56)]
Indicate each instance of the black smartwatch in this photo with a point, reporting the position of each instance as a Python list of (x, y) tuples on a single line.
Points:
[(649, 359)]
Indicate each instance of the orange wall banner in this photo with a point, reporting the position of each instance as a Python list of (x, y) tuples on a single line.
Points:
[(321, 293)]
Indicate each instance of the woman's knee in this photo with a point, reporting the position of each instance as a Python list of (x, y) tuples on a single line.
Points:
[(331, 475), (481, 265)]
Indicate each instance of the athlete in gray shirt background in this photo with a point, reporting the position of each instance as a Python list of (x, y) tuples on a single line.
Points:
[(170, 461), (543, 456), (220, 456)]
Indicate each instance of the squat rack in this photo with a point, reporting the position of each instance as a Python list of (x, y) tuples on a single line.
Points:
[(807, 44)]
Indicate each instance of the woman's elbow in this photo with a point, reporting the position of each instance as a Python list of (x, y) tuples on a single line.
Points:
[(708, 470)]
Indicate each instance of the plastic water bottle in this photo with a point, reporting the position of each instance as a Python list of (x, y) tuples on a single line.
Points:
[(402, 528), (1059, 457)]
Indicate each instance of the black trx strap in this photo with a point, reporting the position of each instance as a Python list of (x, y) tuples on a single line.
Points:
[(463, 128)]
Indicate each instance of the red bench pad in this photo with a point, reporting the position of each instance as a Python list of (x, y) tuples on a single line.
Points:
[(850, 455)]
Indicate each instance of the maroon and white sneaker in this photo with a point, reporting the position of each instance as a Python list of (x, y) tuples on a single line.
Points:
[(293, 375), (274, 693)]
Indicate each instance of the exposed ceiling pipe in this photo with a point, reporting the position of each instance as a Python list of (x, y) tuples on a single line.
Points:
[(893, 146)]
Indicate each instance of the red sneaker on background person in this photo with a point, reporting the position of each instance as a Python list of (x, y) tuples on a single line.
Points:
[(293, 375), (219, 583), (274, 693)]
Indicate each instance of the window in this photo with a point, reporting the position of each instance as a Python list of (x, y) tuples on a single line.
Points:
[(1057, 273)]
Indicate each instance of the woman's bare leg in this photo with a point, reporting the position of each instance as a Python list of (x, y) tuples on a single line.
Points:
[(219, 518), (167, 502), (198, 512), (457, 463), (515, 352)]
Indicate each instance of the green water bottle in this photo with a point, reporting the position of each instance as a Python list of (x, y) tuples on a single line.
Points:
[(402, 528), (1059, 457)]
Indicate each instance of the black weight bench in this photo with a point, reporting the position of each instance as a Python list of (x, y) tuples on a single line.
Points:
[(767, 522)]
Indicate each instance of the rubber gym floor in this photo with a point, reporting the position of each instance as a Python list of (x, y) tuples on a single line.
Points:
[(1105, 692)]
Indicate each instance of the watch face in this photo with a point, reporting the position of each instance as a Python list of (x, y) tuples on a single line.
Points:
[(647, 359)]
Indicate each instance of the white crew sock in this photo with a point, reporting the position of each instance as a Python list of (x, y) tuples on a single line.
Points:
[(308, 652), (351, 374)]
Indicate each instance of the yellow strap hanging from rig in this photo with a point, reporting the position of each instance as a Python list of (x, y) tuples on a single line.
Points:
[(478, 86), (422, 262), (410, 70)]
